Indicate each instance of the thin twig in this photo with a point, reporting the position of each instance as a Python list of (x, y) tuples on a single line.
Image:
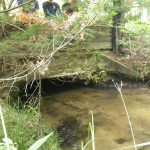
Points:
[(16, 7), (13, 25), (119, 88), (47, 58)]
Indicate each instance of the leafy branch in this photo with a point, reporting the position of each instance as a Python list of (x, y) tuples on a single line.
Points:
[(44, 63)]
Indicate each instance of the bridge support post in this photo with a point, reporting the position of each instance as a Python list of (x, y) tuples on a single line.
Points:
[(116, 33)]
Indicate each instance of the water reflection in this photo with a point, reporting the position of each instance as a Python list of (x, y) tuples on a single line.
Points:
[(68, 111)]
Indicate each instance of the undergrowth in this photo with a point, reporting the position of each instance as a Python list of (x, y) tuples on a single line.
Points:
[(24, 127)]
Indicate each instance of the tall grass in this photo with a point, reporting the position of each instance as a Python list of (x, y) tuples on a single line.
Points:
[(6, 141), (119, 89), (92, 135), (8, 144), (24, 127)]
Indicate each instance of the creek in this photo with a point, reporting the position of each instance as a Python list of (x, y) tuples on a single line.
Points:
[(67, 109)]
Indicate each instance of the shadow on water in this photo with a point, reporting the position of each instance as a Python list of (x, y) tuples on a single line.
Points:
[(54, 86), (66, 106), (71, 131), (70, 128), (28, 91)]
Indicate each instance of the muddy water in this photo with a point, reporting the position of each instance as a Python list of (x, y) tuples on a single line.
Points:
[(69, 112)]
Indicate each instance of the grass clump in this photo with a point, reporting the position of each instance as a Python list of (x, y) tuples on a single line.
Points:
[(24, 127)]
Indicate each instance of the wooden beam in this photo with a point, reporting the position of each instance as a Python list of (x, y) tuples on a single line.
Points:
[(117, 21)]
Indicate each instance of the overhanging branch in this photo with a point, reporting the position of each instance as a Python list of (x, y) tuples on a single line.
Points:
[(16, 7)]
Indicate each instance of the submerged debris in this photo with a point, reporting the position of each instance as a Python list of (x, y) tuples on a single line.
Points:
[(70, 131)]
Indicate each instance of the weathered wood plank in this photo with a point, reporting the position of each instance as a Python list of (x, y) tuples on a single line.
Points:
[(100, 28), (99, 45), (102, 39)]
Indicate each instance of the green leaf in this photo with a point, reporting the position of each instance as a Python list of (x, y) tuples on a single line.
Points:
[(40, 142)]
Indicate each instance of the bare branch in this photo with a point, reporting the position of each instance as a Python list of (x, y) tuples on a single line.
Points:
[(45, 61), (10, 4), (4, 11)]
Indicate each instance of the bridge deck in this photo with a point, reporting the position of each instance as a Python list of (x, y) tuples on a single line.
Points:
[(83, 59)]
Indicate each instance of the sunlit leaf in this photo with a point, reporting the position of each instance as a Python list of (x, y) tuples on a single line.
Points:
[(40, 142)]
